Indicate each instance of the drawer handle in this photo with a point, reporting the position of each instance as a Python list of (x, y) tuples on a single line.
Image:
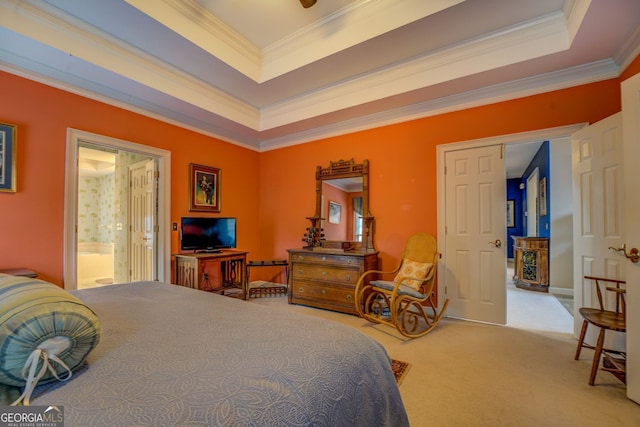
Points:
[(324, 273), (348, 277), (301, 290), (323, 292), (301, 272), (324, 258), (349, 298), (300, 257)]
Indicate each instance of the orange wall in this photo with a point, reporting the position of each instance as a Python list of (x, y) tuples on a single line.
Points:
[(271, 193), (403, 164), (31, 220)]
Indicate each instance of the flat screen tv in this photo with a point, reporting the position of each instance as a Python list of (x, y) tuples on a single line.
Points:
[(207, 234)]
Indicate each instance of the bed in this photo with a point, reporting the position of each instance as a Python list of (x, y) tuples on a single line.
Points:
[(174, 356)]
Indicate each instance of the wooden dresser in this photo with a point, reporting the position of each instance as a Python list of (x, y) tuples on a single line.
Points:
[(327, 279)]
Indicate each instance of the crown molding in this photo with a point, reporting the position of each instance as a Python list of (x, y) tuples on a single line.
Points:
[(532, 39), (195, 23), (365, 20), (575, 76), (50, 26)]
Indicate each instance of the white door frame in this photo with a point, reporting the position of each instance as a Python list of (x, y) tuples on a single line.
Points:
[(163, 255), (532, 136)]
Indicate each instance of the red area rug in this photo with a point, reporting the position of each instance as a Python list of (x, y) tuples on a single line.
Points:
[(399, 369)]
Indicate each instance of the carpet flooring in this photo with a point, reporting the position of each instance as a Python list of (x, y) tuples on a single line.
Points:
[(474, 374)]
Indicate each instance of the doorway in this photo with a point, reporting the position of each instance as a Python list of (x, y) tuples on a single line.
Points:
[(547, 134), (97, 212)]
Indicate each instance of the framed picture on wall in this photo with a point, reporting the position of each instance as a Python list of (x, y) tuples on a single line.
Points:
[(335, 210), (543, 196), (204, 188), (511, 213), (8, 157)]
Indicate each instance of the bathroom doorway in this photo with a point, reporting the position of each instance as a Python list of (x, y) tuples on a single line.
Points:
[(100, 223)]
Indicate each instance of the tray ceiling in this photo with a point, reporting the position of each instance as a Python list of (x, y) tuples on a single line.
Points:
[(266, 74)]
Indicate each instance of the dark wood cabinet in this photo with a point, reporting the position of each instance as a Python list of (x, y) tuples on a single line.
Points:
[(327, 279), (531, 263)]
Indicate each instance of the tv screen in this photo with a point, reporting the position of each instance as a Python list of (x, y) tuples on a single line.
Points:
[(207, 234)]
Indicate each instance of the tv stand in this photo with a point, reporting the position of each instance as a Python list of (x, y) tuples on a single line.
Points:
[(221, 272)]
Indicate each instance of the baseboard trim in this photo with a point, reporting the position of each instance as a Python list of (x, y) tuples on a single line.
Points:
[(561, 291)]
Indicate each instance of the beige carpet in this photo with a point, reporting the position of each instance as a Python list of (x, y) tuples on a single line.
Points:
[(471, 374)]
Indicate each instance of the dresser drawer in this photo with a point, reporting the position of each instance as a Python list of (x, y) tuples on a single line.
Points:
[(324, 296), (325, 273), (331, 259)]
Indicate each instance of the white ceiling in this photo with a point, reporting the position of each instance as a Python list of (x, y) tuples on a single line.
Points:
[(266, 74)]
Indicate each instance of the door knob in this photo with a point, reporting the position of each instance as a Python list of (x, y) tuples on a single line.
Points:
[(633, 255), (497, 243)]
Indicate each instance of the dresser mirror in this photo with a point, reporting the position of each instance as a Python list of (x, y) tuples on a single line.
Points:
[(342, 220)]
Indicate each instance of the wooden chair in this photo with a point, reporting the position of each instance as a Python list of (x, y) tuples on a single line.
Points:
[(407, 301), (606, 320)]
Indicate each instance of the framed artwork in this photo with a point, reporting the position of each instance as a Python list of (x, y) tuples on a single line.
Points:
[(511, 213), (204, 188), (543, 196), (335, 209), (8, 157)]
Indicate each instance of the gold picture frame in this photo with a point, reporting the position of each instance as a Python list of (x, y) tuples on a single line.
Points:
[(8, 146), (204, 188)]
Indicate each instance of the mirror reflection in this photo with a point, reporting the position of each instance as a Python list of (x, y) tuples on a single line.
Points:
[(342, 209)]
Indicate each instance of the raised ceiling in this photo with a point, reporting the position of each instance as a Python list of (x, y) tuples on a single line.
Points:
[(266, 74)]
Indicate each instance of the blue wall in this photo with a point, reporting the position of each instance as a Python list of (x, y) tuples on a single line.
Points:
[(540, 161)]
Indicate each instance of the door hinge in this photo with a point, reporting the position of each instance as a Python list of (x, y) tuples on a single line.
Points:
[(156, 228), (156, 174)]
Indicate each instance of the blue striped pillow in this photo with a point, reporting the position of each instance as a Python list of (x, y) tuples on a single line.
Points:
[(37, 315)]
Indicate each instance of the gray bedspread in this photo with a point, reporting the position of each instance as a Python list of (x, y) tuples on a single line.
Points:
[(173, 356)]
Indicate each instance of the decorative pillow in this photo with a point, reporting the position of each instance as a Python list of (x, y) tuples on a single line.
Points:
[(45, 333), (414, 269)]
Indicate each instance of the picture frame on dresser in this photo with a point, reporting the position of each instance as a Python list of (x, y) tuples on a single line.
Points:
[(8, 137), (204, 188)]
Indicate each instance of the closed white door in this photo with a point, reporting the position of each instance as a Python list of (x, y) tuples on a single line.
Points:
[(631, 138), (142, 220), (474, 256), (598, 224)]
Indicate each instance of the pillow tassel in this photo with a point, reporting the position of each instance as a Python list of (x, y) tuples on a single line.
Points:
[(31, 365)]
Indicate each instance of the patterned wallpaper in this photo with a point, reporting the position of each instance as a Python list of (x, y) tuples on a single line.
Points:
[(96, 209)]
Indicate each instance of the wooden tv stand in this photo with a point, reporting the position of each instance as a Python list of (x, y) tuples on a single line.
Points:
[(219, 272)]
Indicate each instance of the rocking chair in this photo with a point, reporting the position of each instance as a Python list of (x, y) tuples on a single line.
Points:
[(406, 302)]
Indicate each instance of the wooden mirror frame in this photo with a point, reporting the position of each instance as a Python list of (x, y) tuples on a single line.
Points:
[(338, 170)]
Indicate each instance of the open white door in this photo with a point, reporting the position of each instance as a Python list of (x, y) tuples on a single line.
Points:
[(474, 257), (631, 143), (142, 220), (598, 223)]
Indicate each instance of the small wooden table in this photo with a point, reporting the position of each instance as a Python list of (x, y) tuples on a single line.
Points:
[(24, 272), (268, 290)]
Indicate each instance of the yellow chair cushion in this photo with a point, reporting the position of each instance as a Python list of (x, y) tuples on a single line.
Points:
[(415, 270)]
